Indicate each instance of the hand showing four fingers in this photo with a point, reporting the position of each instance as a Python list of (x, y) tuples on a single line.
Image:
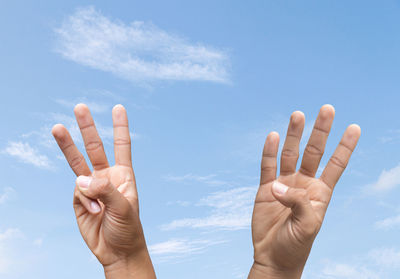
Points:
[(289, 209), (105, 199)]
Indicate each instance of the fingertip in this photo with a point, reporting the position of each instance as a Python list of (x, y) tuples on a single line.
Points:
[(297, 117), (83, 182), (273, 136), (355, 127), (58, 130), (327, 110), (118, 107), (119, 112), (95, 207), (81, 109), (354, 131)]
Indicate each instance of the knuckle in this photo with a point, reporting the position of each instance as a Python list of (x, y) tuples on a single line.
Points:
[(122, 141), (313, 150), (290, 153), (93, 146), (338, 162), (76, 161), (286, 171), (101, 165), (269, 156), (268, 168)]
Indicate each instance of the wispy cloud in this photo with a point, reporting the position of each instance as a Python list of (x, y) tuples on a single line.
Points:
[(137, 51), (347, 271), (6, 263), (11, 233), (204, 179), (38, 242), (387, 180), (386, 257), (180, 248), (388, 223), (377, 263), (229, 210), (7, 194), (391, 136), (27, 154), (19, 255)]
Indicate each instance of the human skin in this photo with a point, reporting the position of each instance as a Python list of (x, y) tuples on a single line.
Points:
[(289, 209), (106, 199)]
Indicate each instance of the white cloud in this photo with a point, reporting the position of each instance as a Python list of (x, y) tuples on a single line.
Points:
[(347, 271), (7, 194), (11, 233), (19, 255), (229, 210), (377, 263), (388, 223), (387, 180), (6, 263), (38, 242), (137, 51), (27, 154), (392, 136), (180, 203), (180, 246), (174, 249), (206, 179), (386, 257)]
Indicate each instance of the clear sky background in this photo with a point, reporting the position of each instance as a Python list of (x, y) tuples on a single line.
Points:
[(203, 83)]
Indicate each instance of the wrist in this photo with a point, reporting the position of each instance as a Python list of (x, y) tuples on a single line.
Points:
[(262, 271), (130, 268)]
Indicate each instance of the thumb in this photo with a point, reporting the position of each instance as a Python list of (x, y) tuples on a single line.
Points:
[(103, 190), (298, 201)]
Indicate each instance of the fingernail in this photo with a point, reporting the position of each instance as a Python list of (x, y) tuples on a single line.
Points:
[(279, 188), (95, 206), (83, 181)]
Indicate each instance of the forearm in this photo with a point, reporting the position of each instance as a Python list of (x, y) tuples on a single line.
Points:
[(260, 271), (141, 268)]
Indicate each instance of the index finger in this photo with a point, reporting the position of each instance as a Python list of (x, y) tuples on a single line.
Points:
[(74, 158), (340, 158), (268, 161)]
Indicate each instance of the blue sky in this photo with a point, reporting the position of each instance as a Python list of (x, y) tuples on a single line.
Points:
[(203, 83)]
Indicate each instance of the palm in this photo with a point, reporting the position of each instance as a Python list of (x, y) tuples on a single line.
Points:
[(99, 230), (271, 218), (281, 237)]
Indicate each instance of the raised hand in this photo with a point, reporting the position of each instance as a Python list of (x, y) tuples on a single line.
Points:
[(289, 209), (106, 199)]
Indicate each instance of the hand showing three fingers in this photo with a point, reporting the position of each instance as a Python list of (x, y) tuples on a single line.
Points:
[(105, 199), (289, 209)]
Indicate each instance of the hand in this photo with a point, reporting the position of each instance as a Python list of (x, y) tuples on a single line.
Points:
[(106, 200), (289, 210)]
